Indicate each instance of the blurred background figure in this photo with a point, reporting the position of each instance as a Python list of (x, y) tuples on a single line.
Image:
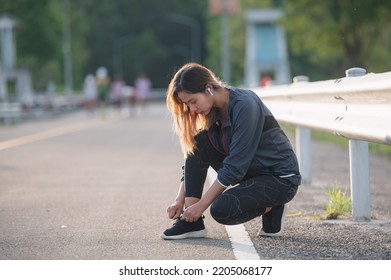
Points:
[(266, 81), (89, 93), (142, 87), (116, 96), (129, 98), (102, 82)]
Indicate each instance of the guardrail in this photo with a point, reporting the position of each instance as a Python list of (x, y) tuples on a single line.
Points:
[(41, 105), (10, 112), (357, 107)]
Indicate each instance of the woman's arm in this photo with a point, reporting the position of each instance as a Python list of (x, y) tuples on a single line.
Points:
[(247, 125)]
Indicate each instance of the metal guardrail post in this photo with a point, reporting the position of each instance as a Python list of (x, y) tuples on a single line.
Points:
[(303, 145), (304, 153), (359, 180), (298, 79), (359, 170), (355, 72)]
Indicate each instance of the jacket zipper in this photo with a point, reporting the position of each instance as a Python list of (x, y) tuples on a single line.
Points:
[(224, 152)]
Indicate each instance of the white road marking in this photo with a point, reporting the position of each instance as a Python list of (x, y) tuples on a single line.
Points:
[(241, 243)]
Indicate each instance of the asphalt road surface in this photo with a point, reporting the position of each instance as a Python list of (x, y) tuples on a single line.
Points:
[(94, 187), (82, 187)]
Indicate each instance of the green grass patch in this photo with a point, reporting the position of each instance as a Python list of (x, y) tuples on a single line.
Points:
[(340, 204)]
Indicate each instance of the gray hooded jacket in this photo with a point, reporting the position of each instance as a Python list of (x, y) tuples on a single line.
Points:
[(253, 142)]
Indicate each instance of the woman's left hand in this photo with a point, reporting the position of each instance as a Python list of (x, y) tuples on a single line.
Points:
[(193, 212)]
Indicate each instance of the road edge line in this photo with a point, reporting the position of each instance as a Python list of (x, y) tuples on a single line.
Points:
[(241, 243)]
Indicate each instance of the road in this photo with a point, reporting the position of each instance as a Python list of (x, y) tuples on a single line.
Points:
[(82, 187)]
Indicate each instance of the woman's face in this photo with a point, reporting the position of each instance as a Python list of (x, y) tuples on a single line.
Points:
[(199, 103)]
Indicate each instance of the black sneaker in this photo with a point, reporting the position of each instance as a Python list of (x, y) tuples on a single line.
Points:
[(273, 221), (182, 229)]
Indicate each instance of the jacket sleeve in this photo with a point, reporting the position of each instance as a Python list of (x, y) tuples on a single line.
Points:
[(247, 124)]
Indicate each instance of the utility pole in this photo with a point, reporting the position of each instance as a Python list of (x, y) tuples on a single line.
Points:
[(224, 8), (225, 54), (118, 44), (195, 33), (66, 49)]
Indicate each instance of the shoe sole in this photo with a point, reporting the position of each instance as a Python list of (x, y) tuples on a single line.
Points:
[(192, 234), (262, 233)]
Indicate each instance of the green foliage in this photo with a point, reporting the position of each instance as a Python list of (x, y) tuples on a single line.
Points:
[(339, 204), (94, 26), (329, 37), (324, 37), (158, 40), (37, 42)]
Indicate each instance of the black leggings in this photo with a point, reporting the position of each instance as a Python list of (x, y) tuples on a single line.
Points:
[(238, 204)]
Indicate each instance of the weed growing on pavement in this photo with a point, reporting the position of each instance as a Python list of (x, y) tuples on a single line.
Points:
[(339, 203)]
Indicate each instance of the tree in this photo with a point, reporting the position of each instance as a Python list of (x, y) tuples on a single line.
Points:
[(329, 37), (161, 45), (37, 42), (154, 40)]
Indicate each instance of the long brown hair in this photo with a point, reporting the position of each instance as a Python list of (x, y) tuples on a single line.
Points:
[(191, 78)]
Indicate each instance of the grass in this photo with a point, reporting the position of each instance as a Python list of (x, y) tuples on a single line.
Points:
[(339, 204)]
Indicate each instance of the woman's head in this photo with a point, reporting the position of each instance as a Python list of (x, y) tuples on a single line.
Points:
[(189, 99), (192, 78)]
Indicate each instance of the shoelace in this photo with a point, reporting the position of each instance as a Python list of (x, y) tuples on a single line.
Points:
[(179, 219)]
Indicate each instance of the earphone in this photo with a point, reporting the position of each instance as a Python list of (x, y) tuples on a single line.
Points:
[(209, 91)]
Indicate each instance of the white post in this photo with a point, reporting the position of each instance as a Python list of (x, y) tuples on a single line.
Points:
[(303, 151), (3, 89), (359, 169), (359, 180), (251, 71), (7, 40), (303, 145)]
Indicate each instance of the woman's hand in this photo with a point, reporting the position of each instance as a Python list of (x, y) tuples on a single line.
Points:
[(175, 210), (193, 212)]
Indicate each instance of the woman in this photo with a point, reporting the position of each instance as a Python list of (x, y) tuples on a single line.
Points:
[(232, 131)]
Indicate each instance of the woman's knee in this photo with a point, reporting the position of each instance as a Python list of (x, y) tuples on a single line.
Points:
[(224, 208)]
